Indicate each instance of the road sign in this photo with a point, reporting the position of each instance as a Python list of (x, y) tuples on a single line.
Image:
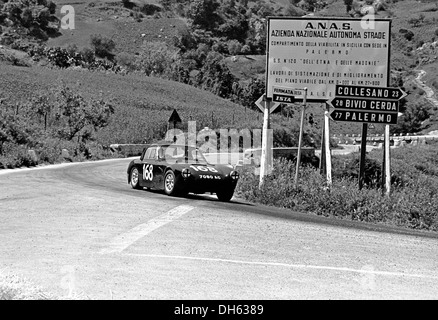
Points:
[(283, 99), (394, 94), (175, 118), (261, 103), (317, 52), (293, 92), (343, 115), (363, 104)]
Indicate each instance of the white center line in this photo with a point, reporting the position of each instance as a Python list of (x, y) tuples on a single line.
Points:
[(123, 241), (288, 265)]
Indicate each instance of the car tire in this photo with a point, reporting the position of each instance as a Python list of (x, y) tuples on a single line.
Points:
[(170, 184), (225, 195), (134, 179)]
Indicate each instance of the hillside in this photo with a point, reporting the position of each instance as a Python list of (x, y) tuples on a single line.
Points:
[(133, 93), (143, 105), (112, 20)]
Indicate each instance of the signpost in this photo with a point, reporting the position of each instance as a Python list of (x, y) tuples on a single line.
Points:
[(367, 105), (337, 60), (266, 106), (300, 141)]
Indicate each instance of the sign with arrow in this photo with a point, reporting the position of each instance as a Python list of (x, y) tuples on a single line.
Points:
[(370, 92), (364, 116), (367, 104)]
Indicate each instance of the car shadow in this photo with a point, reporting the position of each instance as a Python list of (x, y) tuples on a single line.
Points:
[(201, 197)]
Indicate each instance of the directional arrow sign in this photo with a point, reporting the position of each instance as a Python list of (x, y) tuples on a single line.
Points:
[(361, 104), (364, 117), (261, 103), (370, 92)]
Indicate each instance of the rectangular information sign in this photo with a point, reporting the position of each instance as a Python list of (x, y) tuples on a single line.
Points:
[(320, 53)]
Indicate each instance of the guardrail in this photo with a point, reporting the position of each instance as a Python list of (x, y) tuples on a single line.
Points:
[(395, 140)]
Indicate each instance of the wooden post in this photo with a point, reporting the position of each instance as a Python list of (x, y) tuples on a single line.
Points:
[(322, 167), (363, 155), (300, 141), (265, 144), (387, 160), (328, 155)]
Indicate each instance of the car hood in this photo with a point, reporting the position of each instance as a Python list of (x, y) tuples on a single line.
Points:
[(196, 167)]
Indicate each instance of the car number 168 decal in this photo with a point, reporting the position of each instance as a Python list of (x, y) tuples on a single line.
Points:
[(148, 172), (204, 169)]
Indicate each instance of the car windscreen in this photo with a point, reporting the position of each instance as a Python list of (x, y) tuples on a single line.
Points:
[(184, 153)]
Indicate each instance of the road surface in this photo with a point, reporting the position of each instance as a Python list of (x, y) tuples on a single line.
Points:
[(79, 230)]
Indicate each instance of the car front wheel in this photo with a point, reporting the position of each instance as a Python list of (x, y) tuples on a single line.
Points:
[(170, 187)]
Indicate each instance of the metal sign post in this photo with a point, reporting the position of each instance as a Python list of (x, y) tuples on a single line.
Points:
[(300, 142)]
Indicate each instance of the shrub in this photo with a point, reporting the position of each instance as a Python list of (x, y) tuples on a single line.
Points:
[(150, 9), (103, 46), (234, 47), (126, 60)]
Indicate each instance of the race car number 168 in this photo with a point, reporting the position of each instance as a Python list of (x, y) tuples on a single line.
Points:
[(148, 172), (204, 169)]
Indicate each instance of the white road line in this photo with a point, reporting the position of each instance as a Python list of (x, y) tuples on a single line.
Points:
[(123, 241), (60, 165), (287, 265)]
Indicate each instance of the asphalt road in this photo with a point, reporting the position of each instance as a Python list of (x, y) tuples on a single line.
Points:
[(78, 230)]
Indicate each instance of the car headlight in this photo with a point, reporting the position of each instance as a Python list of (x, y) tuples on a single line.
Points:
[(234, 175), (186, 173)]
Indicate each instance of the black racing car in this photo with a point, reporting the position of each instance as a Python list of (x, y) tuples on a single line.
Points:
[(178, 170)]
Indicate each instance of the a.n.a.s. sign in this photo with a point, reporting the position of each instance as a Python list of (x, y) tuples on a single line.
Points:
[(320, 53)]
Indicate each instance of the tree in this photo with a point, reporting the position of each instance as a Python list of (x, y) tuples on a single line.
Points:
[(155, 58), (76, 115), (215, 76), (203, 14), (234, 47), (348, 4), (413, 117)]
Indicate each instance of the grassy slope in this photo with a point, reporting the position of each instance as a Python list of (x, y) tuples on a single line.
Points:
[(143, 104), (127, 34), (114, 22)]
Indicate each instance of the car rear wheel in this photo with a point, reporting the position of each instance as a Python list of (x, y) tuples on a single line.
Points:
[(225, 195), (135, 179)]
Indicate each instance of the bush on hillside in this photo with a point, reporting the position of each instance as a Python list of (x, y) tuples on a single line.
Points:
[(102, 46)]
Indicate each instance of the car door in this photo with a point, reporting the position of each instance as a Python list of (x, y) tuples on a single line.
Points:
[(147, 168), (153, 167)]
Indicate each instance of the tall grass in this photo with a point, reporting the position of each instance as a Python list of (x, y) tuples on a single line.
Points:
[(413, 202)]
